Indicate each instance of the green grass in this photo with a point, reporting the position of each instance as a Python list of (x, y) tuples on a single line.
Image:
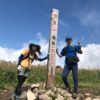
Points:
[(89, 81)]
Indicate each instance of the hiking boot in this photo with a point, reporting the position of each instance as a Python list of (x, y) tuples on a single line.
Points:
[(68, 89), (17, 97), (74, 95), (13, 96)]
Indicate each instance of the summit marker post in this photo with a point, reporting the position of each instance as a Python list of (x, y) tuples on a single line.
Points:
[(50, 81)]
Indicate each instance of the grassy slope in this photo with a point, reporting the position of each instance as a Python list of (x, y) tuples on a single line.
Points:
[(89, 81)]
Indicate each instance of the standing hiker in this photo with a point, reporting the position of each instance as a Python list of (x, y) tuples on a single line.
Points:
[(70, 63), (24, 65)]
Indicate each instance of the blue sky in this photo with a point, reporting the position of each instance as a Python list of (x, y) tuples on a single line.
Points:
[(21, 20), (25, 21)]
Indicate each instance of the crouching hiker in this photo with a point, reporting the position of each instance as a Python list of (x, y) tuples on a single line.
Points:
[(70, 63), (24, 65)]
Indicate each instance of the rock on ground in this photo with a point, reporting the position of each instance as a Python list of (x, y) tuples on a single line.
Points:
[(25, 87), (68, 95), (48, 92), (70, 98), (42, 85), (4, 91), (80, 96), (35, 86), (59, 90), (59, 97), (98, 97), (62, 92), (87, 95), (44, 97), (38, 92), (23, 95), (41, 92), (31, 95), (35, 90), (88, 98)]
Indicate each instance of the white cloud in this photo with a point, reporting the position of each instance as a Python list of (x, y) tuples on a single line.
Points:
[(63, 23), (90, 56), (43, 42), (9, 54)]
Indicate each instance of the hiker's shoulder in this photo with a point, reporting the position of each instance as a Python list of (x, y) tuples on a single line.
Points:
[(63, 48), (25, 51), (74, 45), (76, 48)]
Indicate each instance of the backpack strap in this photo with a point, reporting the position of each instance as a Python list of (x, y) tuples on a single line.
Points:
[(74, 49), (65, 51), (29, 57), (26, 56), (34, 56)]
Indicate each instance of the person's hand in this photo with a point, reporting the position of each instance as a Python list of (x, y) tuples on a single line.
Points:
[(79, 45), (56, 50), (48, 55), (19, 68)]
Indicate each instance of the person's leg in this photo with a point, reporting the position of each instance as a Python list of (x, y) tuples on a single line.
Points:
[(14, 94), (17, 84), (75, 77), (21, 80), (66, 71)]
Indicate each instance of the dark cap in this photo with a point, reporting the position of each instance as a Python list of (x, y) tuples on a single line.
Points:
[(68, 38)]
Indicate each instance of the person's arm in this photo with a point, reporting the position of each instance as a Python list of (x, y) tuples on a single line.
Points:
[(20, 58), (79, 46), (19, 62), (25, 52), (58, 53), (80, 51), (42, 59)]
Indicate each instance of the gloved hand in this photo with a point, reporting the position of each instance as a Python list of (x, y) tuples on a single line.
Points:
[(56, 50), (19, 68), (48, 55)]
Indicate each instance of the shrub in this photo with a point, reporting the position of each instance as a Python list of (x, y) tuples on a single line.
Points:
[(57, 67)]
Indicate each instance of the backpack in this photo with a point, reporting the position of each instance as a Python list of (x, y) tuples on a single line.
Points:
[(71, 60), (29, 57)]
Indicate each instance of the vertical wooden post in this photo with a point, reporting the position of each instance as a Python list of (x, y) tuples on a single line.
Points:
[(50, 81)]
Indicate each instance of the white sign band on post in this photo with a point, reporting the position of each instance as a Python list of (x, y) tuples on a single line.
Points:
[(50, 81)]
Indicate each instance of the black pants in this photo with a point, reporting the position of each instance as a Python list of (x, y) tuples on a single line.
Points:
[(21, 80)]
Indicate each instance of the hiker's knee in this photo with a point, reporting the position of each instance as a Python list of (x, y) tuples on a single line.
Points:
[(63, 77), (75, 78)]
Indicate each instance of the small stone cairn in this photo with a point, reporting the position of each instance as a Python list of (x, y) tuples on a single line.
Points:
[(38, 92)]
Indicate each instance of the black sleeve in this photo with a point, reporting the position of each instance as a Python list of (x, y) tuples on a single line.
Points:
[(42, 59), (20, 58)]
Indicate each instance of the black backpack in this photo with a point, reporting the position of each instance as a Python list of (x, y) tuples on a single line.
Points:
[(71, 60)]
